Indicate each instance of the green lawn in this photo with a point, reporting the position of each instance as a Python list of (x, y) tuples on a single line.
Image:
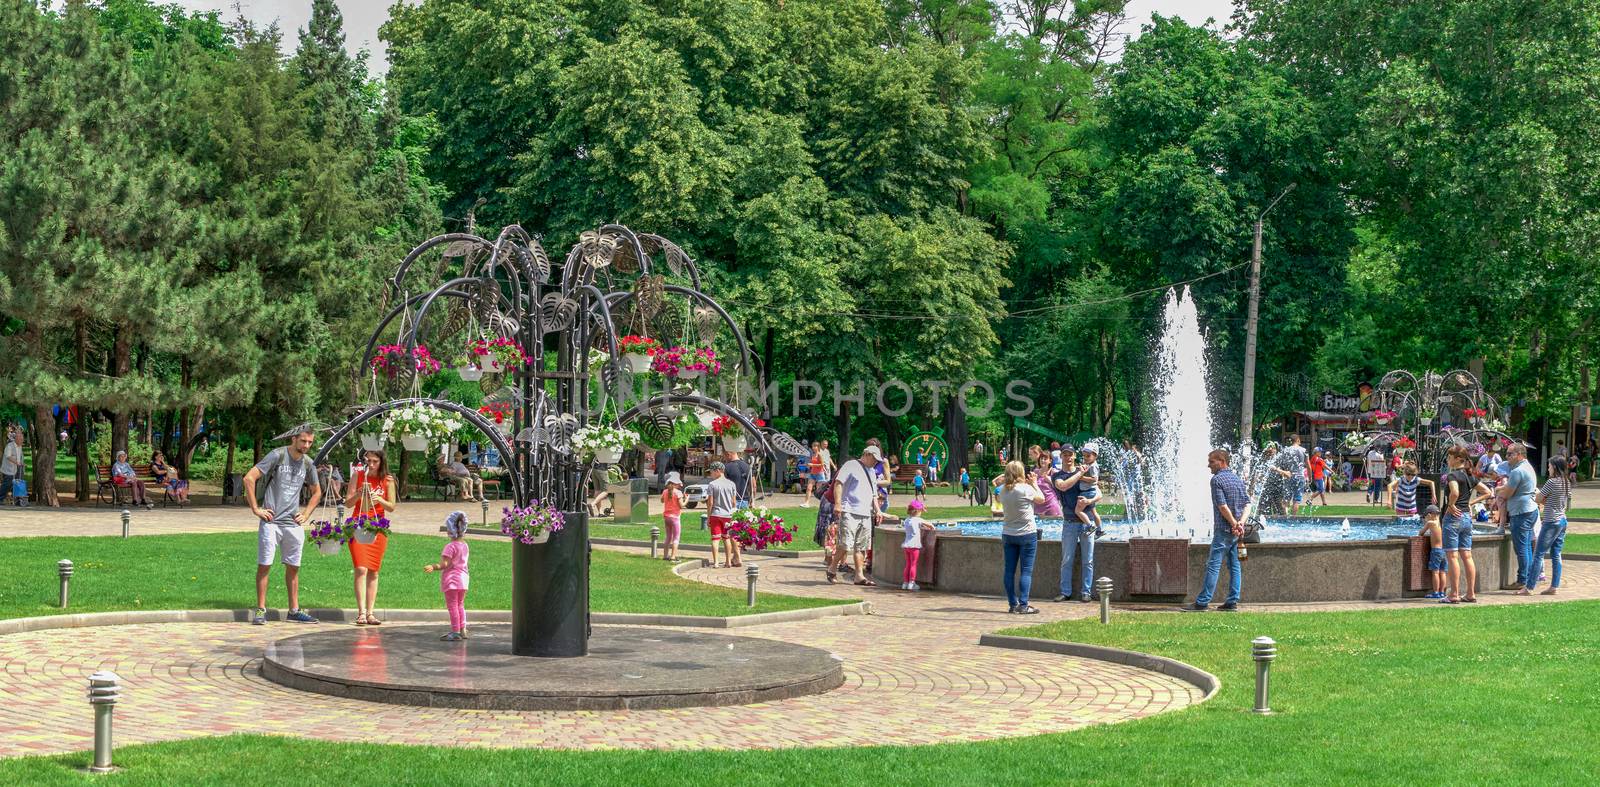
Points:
[(1581, 544), (802, 520), (216, 571), (1487, 695)]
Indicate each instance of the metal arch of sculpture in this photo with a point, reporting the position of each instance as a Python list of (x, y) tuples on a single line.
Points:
[(472, 416), (556, 313), (1458, 386)]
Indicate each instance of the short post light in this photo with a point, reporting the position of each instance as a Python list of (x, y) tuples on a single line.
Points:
[(1102, 586), (104, 691), (340, 509), (655, 536), (64, 570), (1263, 650), (127, 516), (484, 504), (752, 573)]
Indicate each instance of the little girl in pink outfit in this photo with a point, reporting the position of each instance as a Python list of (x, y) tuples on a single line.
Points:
[(453, 577)]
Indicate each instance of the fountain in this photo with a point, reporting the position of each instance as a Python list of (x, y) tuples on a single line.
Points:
[(1299, 559)]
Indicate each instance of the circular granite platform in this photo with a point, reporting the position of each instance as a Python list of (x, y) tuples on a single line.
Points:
[(627, 668)]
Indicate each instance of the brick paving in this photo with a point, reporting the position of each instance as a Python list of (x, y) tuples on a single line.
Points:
[(914, 673)]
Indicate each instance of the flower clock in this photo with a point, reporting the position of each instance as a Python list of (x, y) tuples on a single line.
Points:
[(758, 528), (391, 358), (533, 524)]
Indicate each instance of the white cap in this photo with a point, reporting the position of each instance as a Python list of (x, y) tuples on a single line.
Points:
[(674, 478), (872, 449)]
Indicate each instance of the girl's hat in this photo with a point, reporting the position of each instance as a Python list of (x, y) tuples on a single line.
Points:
[(916, 505), (455, 524), (674, 478)]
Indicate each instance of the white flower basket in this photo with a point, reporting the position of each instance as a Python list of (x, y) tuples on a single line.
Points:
[(688, 374), (542, 537), (607, 456), (470, 373), (734, 444), (364, 536), (330, 547), (1425, 420), (412, 443), (638, 363), (371, 442), (505, 427)]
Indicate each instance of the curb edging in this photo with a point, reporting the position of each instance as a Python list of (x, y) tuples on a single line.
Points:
[(1172, 668), (138, 617)]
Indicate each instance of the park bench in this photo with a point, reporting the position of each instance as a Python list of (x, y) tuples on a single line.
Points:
[(105, 487)]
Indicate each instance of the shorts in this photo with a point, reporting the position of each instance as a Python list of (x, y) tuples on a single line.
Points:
[(1406, 513), (1457, 534), (819, 476), (1436, 561), (1297, 487), (855, 532), (1089, 495), (1319, 485), (272, 537), (718, 525)]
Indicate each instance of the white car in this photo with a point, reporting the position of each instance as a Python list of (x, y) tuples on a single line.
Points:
[(695, 494)]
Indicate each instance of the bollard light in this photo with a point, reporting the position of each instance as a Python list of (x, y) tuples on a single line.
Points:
[(1102, 586), (655, 535), (340, 509), (1263, 650), (64, 570), (126, 516), (104, 691), (484, 504), (752, 572)]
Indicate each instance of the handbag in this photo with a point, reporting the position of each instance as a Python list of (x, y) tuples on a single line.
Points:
[(19, 489)]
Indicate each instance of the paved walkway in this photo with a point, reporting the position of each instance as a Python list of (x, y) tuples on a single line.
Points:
[(914, 673)]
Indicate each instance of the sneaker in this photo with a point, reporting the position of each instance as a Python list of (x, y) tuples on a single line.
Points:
[(1012, 610), (905, 585), (1228, 608), (454, 636), (300, 616), (1062, 597), (1195, 608), (260, 618), (913, 586), (1085, 599)]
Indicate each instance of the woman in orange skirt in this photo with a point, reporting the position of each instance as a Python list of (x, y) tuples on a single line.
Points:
[(372, 489)]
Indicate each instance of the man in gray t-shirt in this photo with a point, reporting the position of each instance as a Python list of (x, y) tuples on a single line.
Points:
[(287, 470), (721, 501)]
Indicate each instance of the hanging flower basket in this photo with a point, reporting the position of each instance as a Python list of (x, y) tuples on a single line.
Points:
[(683, 363), (1383, 416), (603, 444), (469, 372), (419, 425), (533, 524), (500, 414), (391, 358), (329, 537), (498, 355), (371, 442), (731, 432), (366, 527), (636, 352)]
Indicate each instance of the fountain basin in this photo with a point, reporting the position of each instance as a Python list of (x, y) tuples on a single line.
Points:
[(1311, 571)]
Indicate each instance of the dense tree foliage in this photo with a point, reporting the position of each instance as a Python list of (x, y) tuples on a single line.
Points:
[(878, 189)]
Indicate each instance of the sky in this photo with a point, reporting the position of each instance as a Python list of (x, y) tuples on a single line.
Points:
[(362, 17)]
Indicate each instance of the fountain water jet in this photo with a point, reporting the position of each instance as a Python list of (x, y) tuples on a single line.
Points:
[(1180, 485)]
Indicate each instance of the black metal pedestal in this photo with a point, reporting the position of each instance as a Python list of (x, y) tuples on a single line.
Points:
[(550, 593)]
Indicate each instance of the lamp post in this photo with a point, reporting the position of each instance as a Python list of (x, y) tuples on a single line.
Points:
[(1248, 400), (64, 570)]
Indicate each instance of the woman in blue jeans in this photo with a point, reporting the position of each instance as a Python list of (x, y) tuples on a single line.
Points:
[(1019, 536), (1553, 500)]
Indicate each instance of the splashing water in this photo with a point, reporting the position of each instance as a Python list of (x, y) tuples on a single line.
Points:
[(1180, 483)]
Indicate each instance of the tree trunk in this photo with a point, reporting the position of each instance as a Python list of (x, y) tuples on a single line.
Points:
[(841, 425), (167, 429), (955, 436), (255, 448), (44, 457), (227, 469), (119, 415), (191, 440), (80, 442)]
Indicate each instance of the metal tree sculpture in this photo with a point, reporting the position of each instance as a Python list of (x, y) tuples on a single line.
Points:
[(1422, 406), (459, 287)]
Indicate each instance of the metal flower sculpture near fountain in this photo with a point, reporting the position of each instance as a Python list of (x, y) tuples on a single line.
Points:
[(550, 324), (1434, 412)]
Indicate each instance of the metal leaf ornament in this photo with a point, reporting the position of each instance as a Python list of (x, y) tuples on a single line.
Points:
[(706, 321), (559, 430), (786, 444), (655, 426), (598, 250), (649, 295), (556, 312)]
